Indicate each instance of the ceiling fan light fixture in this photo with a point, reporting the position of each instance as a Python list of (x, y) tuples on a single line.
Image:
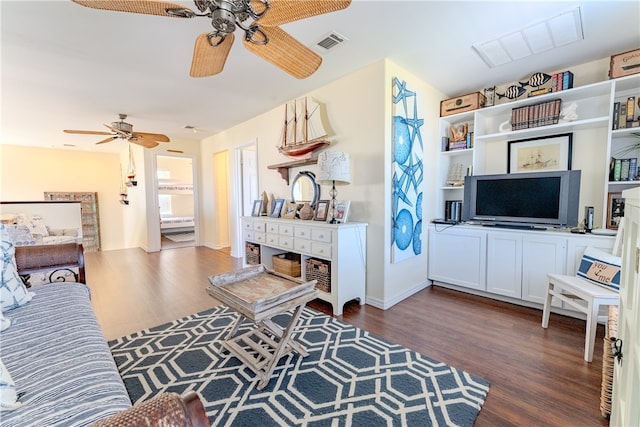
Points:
[(223, 20)]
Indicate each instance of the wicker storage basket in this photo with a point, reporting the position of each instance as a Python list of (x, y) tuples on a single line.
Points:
[(252, 253), (287, 263), (320, 270), (608, 362)]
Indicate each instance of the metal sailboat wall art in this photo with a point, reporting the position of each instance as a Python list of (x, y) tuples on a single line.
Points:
[(303, 131)]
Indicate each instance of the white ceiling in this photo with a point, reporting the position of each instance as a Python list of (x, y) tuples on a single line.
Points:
[(65, 66)]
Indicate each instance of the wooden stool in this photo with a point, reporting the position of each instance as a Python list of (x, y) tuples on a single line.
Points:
[(571, 288)]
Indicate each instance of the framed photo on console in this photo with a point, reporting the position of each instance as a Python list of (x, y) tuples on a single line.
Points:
[(290, 210), (342, 210), (548, 153), (257, 208), (322, 209), (615, 210), (276, 208)]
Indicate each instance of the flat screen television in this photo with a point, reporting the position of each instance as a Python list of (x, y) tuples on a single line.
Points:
[(523, 199)]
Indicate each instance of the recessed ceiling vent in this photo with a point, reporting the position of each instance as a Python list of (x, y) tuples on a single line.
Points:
[(330, 41)]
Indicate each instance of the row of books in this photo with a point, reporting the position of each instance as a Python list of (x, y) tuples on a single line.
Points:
[(624, 169), (559, 81), (623, 114), (448, 145), (540, 114)]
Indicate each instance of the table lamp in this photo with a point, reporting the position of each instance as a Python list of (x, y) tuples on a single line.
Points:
[(334, 169)]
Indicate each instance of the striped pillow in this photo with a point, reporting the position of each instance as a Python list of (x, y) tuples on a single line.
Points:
[(600, 268)]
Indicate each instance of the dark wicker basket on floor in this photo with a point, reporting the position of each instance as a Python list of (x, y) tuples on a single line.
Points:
[(252, 253), (320, 270), (608, 362)]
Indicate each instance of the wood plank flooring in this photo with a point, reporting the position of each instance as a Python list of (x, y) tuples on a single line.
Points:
[(538, 376)]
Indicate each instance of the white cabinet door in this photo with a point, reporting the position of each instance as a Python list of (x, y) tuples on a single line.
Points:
[(626, 375), (541, 255), (458, 256), (504, 264)]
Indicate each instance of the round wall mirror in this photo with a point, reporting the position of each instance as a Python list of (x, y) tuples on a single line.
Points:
[(305, 189)]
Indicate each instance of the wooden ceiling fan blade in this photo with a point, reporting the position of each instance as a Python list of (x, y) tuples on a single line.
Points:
[(152, 136), (286, 53), (107, 140), (283, 11), (207, 59), (143, 141), (87, 132), (147, 7)]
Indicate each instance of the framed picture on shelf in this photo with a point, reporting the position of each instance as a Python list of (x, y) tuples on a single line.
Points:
[(290, 210), (276, 208), (342, 210), (548, 153), (322, 209), (615, 210), (257, 208)]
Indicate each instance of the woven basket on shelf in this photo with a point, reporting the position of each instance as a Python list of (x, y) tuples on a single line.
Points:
[(608, 362), (252, 253), (320, 270), (288, 263)]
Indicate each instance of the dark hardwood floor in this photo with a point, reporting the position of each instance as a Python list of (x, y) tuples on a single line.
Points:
[(538, 377)]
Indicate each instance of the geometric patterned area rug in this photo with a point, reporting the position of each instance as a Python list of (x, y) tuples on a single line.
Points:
[(349, 378)]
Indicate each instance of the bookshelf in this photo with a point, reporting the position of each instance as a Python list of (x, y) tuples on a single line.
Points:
[(595, 141)]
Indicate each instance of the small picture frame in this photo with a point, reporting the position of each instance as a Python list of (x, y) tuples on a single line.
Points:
[(322, 209), (342, 210), (257, 208), (276, 208), (615, 210), (290, 210)]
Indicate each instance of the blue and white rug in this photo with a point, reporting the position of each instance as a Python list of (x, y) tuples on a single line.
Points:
[(349, 378)]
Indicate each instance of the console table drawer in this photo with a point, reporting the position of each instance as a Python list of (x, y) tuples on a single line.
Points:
[(322, 250), (285, 242), (272, 239), (272, 228), (285, 230), (302, 245), (259, 237), (259, 226), (248, 235), (321, 235), (247, 225), (302, 232)]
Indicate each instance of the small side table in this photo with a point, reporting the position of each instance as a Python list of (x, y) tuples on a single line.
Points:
[(258, 294)]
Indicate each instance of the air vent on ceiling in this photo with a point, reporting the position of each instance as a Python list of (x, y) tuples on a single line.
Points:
[(330, 41)]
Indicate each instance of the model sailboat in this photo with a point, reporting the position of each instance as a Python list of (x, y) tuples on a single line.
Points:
[(303, 132)]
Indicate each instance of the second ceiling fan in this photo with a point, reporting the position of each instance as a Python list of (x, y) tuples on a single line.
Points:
[(259, 19)]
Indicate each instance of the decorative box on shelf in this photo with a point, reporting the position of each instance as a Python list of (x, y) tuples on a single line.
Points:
[(287, 263), (624, 64), (469, 102)]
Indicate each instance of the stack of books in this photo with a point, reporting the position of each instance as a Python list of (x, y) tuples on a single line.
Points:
[(531, 116), (623, 114)]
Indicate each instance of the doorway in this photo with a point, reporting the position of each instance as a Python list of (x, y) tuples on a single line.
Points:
[(176, 202)]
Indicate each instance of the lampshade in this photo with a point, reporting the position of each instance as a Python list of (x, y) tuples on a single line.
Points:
[(333, 167)]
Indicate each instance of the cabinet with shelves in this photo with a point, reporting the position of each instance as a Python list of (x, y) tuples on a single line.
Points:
[(594, 141), (342, 246)]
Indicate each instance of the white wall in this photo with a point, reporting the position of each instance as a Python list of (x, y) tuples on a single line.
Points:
[(358, 115)]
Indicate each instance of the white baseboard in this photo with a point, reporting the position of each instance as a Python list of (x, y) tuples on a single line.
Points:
[(386, 304)]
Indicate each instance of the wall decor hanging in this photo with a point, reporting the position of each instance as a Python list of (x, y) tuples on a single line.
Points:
[(408, 173)]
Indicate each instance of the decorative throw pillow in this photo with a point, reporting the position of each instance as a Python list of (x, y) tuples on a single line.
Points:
[(8, 395), (13, 293), (37, 226), (600, 268)]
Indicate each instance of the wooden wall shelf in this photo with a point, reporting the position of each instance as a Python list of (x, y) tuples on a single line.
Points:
[(283, 168)]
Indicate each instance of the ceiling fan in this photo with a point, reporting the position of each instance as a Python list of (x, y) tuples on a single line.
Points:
[(124, 130), (259, 19)]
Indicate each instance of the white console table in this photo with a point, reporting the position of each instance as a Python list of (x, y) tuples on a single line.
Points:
[(509, 265), (343, 245)]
